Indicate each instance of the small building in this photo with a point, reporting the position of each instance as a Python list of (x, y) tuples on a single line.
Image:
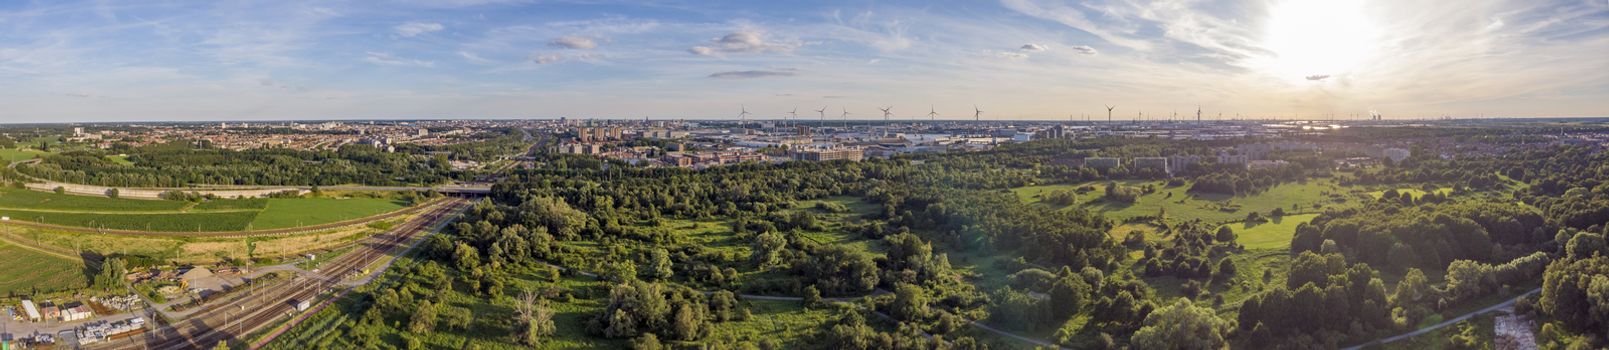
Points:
[(31, 310), (1102, 162), (302, 305), (1266, 164), (80, 312)]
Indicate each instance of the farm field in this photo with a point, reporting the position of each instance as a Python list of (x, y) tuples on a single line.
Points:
[(283, 212), (27, 270), (1310, 196)]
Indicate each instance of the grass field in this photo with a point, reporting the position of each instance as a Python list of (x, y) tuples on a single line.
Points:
[(283, 212), (175, 216), (1274, 234), (119, 159), (16, 155), (27, 270), (1179, 204)]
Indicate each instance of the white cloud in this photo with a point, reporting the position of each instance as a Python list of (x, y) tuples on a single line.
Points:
[(413, 29), (551, 58), (751, 74), (1084, 49), (386, 59), (473, 58), (744, 41), (1032, 47), (574, 42)]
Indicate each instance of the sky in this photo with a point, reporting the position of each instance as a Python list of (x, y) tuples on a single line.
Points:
[(136, 60)]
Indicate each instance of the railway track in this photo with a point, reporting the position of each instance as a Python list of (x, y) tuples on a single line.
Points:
[(247, 311)]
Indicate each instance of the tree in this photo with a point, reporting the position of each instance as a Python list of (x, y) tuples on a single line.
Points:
[(1414, 289), (111, 274), (1468, 279), (1181, 325), (648, 341), (112, 193), (910, 303), (535, 319), (1225, 234), (60, 190), (659, 262), (812, 296), (465, 257), (1226, 268), (424, 318), (768, 248)]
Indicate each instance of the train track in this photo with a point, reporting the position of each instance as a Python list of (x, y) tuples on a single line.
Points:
[(247, 311)]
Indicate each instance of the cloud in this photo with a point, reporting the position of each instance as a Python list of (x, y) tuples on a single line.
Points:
[(1084, 49), (1011, 55), (573, 42), (548, 58), (1317, 77), (473, 58), (386, 59), (552, 58), (750, 74), (413, 29), (746, 41), (1031, 47)]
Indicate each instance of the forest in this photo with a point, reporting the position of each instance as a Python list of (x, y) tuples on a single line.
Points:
[(916, 252)]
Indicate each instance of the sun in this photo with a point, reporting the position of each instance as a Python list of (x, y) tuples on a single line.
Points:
[(1315, 39)]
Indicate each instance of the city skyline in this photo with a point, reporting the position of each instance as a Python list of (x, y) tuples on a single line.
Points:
[(94, 61)]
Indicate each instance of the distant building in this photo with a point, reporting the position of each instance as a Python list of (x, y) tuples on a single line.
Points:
[(424, 132), (1396, 154), (1152, 163), (851, 154), (1102, 162), (1233, 159), (1183, 162)]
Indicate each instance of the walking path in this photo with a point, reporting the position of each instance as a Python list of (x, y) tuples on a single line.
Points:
[(1449, 322)]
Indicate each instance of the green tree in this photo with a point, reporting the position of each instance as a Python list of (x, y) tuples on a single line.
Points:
[(424, 318), (1181, 325), (111, 274), (910, 303), (112, 193), (660, 264), (465, 257)]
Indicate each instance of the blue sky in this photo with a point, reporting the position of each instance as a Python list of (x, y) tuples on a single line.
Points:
[(1022, 59)]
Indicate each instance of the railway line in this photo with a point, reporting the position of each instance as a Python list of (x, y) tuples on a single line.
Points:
[(245, 312)]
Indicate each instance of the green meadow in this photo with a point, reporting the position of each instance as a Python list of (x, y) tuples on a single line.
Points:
[(177, 216), (1178, 203)]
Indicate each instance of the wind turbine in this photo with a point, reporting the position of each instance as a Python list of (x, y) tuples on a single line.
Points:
[(742, 118), (846, 117), (931, 113), (977, 114), (886, 114), (823, 113), (1109, 113), (794, 114)]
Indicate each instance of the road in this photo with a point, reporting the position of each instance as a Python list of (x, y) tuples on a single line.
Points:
[(244, 312), (1446, 323)]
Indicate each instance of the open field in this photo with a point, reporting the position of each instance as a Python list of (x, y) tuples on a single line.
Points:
[(1274, 234), (176, 216), (16, 155), (26, 270), (281, 212), (1309, 196)]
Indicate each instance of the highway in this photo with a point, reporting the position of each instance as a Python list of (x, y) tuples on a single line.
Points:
[(244, 312)]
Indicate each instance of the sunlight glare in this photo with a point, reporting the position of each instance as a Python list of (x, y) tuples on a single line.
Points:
[(1317, 38)]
